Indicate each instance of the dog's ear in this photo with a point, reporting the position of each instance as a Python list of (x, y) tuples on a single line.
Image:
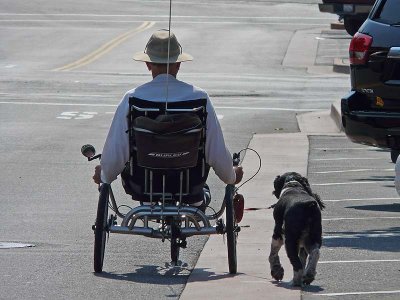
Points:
[(306, 181), (278, 184), (321, 204)]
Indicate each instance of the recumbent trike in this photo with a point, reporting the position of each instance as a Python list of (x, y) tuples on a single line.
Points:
[(166, 172)]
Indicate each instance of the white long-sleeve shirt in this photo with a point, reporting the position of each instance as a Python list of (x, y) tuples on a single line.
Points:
[(116, 148)]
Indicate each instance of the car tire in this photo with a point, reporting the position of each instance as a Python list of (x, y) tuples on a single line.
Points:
[(394, 154), (352, 25)]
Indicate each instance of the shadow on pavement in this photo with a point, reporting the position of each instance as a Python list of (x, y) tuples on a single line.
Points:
[(395, 207), (382, 240), (161, 275)]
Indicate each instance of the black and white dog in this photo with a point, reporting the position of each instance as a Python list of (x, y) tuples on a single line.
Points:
[(297, 217)]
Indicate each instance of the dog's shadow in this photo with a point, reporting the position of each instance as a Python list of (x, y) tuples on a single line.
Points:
[(289, 286)]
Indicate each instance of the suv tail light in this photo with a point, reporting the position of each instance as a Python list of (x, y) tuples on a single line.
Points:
[(359, 46)]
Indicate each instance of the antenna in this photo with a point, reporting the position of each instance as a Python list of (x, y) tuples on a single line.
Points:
[(169, 44)]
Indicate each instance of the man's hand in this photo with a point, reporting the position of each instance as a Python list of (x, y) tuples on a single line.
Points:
[(239, 174), (97, 174)]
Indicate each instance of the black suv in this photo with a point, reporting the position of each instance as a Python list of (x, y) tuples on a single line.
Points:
[(371, 111)]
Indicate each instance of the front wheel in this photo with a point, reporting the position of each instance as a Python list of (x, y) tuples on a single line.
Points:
[(231, 229), (101, 228)]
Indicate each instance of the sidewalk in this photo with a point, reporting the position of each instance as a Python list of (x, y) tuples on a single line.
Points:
[(279, 153)]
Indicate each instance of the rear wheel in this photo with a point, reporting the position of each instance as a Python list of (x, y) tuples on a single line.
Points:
[(394, 154), (101, 228), (352, 24), (231, 232)]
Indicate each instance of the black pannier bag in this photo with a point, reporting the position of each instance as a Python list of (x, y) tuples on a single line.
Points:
[(168, 142)]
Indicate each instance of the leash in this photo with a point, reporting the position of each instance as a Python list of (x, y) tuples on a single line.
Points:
[(258, 170)]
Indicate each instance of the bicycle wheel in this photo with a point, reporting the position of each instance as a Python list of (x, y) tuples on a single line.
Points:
[(231, 234), (175, 239), (100, 232)]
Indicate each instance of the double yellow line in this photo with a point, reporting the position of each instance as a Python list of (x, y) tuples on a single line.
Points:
[(107, 47)]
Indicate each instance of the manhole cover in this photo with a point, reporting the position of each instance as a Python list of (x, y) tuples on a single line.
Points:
[(9, 245)]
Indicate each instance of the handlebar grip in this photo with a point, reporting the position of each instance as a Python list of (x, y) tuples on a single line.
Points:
[(236, 159)]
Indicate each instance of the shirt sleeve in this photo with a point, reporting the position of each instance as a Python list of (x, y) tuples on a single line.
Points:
[(217, 154), (397, 177), (116, 148)]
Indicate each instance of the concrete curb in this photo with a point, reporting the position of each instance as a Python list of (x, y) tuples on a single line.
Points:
[(341, 65), (336, 114), (337, 26)]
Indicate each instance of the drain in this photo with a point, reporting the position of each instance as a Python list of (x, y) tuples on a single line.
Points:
[(11, 245)]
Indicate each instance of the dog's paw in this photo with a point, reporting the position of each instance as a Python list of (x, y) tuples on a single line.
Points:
[(297, 278), (308, 278), (277, 272)]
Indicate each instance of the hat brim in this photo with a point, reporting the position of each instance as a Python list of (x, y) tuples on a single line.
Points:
[(141, 56)]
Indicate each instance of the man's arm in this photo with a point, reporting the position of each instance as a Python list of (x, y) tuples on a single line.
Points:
[(116, 148), (217, 154)]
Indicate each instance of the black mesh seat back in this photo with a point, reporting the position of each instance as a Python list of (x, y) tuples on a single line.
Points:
[(135, 177), (170, 141)]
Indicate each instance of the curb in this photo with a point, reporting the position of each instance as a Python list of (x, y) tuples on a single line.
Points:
[(337, 26), (341, 65), (336, 114)]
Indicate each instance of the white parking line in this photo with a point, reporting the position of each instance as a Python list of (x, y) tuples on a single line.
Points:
[(343, 149), (357, 293), (353, 182), (362, 199), (355, 170), (361, 235), (345, 158), (358, 261), (366, 218)]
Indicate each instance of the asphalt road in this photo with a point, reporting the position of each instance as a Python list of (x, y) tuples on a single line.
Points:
[(64, 68)]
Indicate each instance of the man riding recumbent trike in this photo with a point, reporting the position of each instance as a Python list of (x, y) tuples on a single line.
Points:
[(166, 173), (164, 137)]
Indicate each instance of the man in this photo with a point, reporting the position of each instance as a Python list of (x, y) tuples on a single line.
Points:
[(164, 86)]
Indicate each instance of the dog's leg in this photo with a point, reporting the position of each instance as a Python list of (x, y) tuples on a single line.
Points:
[(277, 270), (311, 269), (292, 250)]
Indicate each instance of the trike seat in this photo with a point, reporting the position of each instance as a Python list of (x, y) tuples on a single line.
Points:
[(167, 156)]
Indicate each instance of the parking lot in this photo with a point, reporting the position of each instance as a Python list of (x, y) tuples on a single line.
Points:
[(359, 258)]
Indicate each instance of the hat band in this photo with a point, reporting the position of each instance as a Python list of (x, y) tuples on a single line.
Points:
[(163, 54)]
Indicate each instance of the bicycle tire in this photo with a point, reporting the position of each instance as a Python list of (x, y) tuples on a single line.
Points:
[(231, 234), (100, 232)]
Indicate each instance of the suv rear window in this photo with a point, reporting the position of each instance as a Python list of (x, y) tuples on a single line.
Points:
[(388, 12)]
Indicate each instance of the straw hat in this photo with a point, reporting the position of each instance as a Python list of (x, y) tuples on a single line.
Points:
[(156, 50)]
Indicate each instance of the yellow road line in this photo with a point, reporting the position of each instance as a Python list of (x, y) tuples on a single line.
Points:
[(107, 47)]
